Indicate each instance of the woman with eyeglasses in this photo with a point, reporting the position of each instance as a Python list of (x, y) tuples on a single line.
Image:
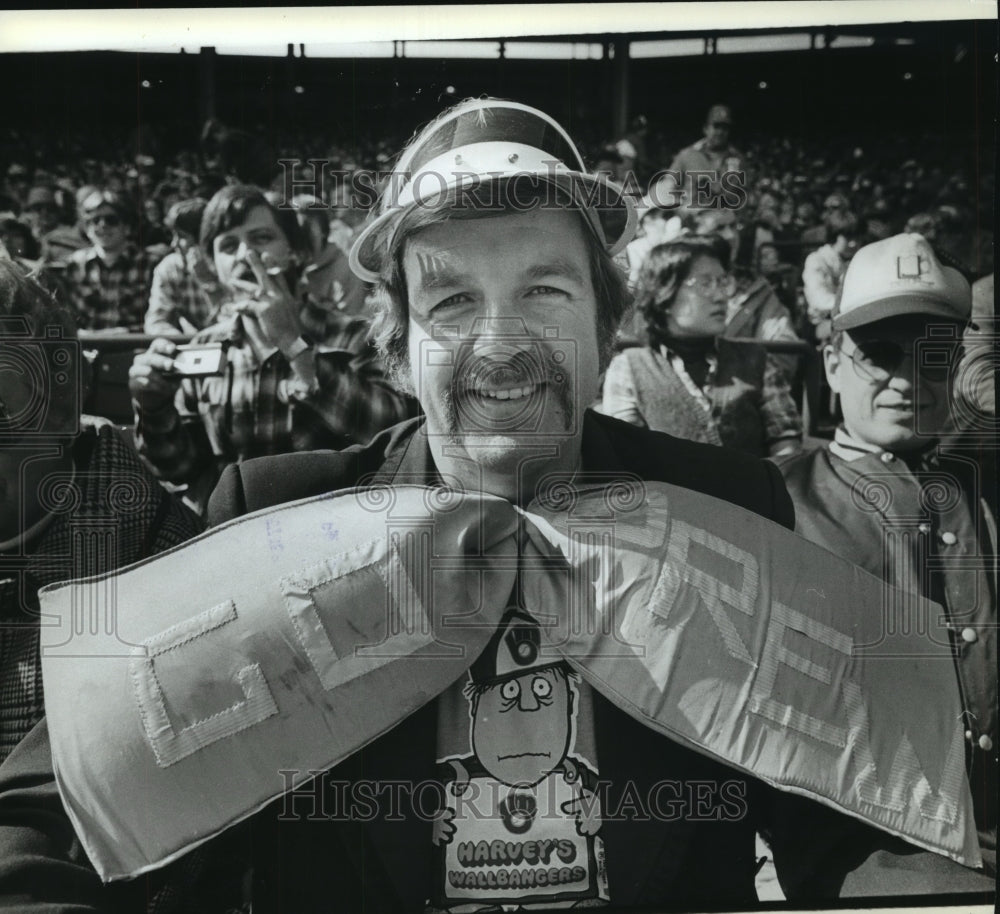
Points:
[(689, 381), (290, 381)]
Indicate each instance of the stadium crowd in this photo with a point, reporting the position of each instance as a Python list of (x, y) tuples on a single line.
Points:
[(119, 238)]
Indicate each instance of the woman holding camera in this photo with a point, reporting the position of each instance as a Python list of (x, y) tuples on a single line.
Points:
[(688, 380), (290, 380)]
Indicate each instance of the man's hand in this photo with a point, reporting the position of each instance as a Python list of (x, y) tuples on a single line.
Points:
[(271, 302), (444, 828), (587, 810), (149, 380)]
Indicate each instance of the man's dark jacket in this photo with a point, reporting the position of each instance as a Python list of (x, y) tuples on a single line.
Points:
[(311, 863)]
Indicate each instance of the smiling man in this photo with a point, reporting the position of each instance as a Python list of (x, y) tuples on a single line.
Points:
[(499, 297), (498, 300), (887, 497)]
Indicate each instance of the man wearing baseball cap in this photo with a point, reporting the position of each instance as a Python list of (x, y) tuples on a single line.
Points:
[(709, 173), (887, 496)]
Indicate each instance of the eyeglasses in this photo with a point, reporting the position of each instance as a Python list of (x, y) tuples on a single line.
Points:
[(879, 360), (111, 220), (707, 285)]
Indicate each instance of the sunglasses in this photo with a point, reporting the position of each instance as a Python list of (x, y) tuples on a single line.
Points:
[(879, 360), (108, 219)]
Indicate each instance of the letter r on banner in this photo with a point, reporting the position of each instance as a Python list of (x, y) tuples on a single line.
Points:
[(724, 574)]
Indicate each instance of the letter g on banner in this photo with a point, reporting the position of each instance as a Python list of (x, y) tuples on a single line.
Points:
[(170, 744)]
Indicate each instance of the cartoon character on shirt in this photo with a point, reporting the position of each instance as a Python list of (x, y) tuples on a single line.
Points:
[(522, 710)]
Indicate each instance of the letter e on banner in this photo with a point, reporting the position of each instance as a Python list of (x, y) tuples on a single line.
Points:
[(783, 619)]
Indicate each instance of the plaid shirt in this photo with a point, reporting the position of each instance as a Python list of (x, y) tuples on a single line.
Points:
[(103, 295), (255, 408), (178, 292), (93, 529)]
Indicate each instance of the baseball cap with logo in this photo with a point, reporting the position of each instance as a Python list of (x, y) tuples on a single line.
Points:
[(488, 140), (898, 276), (514, 649)]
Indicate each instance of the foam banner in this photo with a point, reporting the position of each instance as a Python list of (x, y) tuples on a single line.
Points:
[(177, 689)]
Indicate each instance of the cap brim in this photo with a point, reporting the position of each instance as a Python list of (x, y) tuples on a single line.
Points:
[(518, 673), (897, 306), (615, 212)]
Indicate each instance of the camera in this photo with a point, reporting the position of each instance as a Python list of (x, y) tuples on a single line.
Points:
[(199, 360), (40, 383), (500, 354)]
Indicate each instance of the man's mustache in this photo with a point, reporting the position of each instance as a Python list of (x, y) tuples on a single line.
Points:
[(504, 368)]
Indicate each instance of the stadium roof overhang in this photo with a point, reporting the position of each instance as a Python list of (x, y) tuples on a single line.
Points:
[(166, 30)]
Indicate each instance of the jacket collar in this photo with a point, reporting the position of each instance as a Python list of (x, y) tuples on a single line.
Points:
[(850, 449), (411, 462)]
